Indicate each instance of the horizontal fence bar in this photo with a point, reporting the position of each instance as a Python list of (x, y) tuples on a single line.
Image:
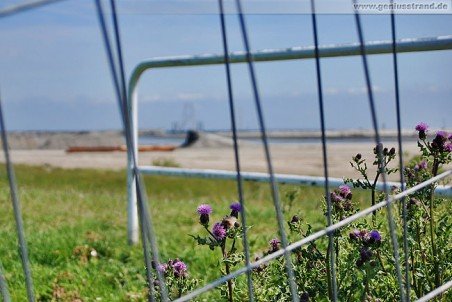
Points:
[(264, 177), (314, 236), (442, 289), (25, 6), (297, 53)]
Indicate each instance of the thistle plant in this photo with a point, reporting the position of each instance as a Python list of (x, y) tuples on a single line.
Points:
[(423, 214), (308, 263), (176, 277), (364, 259), (381, 165), (227, 228)]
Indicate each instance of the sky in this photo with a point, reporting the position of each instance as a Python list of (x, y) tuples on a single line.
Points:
[(54, 73)]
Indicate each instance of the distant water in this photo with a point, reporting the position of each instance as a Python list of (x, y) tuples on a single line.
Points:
[(330, 140), (176, 141), (159, 140)]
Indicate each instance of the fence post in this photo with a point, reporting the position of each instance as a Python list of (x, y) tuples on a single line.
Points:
[(132, 209)]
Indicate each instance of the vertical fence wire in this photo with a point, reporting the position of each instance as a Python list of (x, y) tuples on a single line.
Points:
[(4, 286), (146, 225), (323, 232), (399, 140), (332, 259), (148, 235), (379, 150), (17, 210), (263, 131), (236, 148)]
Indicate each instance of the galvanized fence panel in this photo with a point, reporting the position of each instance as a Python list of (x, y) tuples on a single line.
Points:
[(128, 103)]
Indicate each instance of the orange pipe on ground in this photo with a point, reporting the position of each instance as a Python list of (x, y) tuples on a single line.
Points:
[(123, 148)]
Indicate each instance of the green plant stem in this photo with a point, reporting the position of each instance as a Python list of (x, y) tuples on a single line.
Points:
[(373, 186), (233, 246), (424, 261), (208, 231), (432, 226), (413, 269), (179, 289), (223, 250), (425, 209), (381, 262), (350, 292), (328, 273), (366, 280), (337, 253)]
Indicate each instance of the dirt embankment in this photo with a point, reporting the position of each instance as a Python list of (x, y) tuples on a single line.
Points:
[(209, 151)]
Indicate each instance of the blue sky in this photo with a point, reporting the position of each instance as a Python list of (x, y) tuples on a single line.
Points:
[(54, 73)]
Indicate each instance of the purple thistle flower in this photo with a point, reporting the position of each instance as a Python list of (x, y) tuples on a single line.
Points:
[(450, 137), (180, 269), (375, 235), (162, 267), (236, 208), (204, 209), (335, 197), (442, 134), (274, 243), (347, 206), (345, 190), (366, 254), (422, 127), (423, 165), (448, 146), (355, 235), (439, 140), (218, 231)]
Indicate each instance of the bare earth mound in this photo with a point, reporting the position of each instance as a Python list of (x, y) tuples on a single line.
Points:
[(210, 151)]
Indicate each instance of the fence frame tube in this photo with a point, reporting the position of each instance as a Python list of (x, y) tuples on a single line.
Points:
[(294, 53)]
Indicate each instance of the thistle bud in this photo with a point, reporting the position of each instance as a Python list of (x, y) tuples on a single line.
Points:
[(392, 151), (378, 148), (304, 297), (355, 235), (204, 211), (295, 219), (235, 209)]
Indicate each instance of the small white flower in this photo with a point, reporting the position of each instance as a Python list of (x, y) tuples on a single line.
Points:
[(93, 253)]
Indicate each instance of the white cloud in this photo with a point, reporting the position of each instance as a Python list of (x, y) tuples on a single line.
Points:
[(150, 98), (332, 91), (190, 96), (363, 90)]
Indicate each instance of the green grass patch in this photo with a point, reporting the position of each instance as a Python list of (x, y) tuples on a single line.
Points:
[(76, 229)]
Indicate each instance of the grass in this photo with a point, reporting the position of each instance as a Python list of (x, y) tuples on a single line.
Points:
[(71, 215), (165, 162)]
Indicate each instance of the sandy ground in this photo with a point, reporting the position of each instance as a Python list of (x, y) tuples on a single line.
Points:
[(301, 159), (209, 151)]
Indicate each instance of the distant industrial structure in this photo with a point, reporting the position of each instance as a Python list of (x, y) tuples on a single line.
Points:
[(188, 120)]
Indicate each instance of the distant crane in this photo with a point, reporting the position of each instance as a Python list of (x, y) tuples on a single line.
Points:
[(188, 120)]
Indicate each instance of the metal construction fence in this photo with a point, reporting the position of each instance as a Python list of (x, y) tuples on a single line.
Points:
[(140, 220)]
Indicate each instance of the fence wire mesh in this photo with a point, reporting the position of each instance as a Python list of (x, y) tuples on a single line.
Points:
[(127, 99)]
